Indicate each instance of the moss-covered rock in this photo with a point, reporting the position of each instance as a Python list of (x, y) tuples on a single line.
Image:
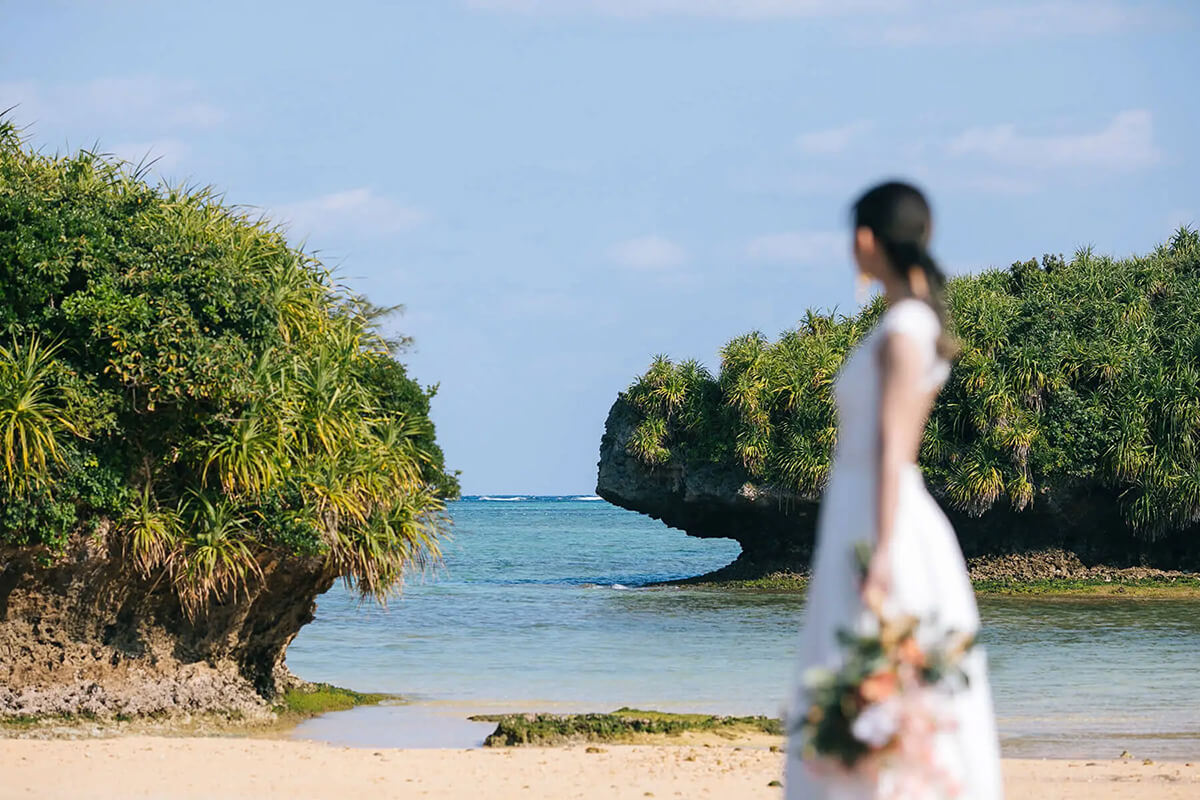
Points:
[(314, 699), (623, 725)]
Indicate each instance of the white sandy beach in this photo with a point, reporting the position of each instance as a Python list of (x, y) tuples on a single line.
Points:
[(137, 768)]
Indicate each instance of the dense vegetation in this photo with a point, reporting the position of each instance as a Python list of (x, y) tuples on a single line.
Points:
[(1079, 372), (171, 370)]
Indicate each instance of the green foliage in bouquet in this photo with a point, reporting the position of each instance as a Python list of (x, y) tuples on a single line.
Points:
[(873, 671), (173, 370)]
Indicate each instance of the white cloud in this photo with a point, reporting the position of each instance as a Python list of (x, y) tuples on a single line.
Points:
[(808, 247), (900, 22), (832, 140), (727, 9), (1127, 142), (950, 23), (985, 182), (198, 115), (357, 211), (137, 102), (650, 253)]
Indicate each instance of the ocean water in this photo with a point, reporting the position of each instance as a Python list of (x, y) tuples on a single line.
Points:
[(542, 605)]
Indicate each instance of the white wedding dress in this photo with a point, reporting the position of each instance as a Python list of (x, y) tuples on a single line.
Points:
[(928, 575)]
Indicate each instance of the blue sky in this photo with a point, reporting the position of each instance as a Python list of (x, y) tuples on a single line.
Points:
[(559, 189)]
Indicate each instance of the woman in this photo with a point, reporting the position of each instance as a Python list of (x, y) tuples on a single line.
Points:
[(876, 496)]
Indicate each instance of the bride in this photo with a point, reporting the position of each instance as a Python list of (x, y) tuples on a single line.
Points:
[(876, 495)]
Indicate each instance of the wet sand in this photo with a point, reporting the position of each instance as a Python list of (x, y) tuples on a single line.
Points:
[(255, 769)]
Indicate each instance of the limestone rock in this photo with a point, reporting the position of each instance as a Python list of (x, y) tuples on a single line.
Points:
[(87, 635), (1073, 532)]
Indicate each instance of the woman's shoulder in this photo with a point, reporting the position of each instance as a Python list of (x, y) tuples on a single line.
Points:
[(913, 317), (917, 320)]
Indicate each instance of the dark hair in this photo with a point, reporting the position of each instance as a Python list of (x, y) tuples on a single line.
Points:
[(899, 216)]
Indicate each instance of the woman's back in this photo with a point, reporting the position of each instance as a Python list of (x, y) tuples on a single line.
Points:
[(876, 497)]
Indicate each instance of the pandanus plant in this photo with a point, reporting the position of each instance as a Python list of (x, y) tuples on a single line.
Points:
[(32, 419), (214, 392), (1070, 369)]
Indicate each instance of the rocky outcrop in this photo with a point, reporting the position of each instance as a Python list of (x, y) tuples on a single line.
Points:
[(713, 501), (85, 634), (1067, 533)]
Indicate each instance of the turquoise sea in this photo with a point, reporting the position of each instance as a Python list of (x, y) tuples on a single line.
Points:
[(542, 604)]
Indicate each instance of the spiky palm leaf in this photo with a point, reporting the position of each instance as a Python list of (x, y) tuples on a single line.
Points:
[(217, 560), (32, 421)]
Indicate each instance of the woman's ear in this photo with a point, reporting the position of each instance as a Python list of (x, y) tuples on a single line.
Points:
[(864, 242), (918, 282)]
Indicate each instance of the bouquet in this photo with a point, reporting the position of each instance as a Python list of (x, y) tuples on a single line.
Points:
[(882, 708)]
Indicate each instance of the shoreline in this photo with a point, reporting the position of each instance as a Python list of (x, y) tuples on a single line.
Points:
[(1183, 586), (298, 704), (262, 769), (413, 725)]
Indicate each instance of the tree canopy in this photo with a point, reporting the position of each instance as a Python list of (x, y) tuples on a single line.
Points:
[(173, 370), (1072, 371)]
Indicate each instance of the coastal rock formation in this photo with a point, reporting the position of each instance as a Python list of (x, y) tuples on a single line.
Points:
[(711, 501), (1074, 531), (87, 635), (203, 430)]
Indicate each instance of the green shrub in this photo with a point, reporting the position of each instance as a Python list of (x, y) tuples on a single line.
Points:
[(1077, 371), (170, 365)]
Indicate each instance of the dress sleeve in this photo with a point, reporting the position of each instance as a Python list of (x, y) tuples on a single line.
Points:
[(915, 319)]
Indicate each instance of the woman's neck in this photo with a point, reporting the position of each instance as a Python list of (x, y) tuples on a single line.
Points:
[(895, 290)]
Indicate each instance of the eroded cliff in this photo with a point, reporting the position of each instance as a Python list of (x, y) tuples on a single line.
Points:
[(1074, 531), (85, 634)]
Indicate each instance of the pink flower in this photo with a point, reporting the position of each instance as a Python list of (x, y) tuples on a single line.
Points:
[(878, 687)]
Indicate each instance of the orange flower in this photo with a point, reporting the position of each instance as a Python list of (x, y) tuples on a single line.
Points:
[(910, 652), (879, 686)]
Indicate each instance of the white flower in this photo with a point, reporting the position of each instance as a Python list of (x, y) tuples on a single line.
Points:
[(877, 723), (818, 678)]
